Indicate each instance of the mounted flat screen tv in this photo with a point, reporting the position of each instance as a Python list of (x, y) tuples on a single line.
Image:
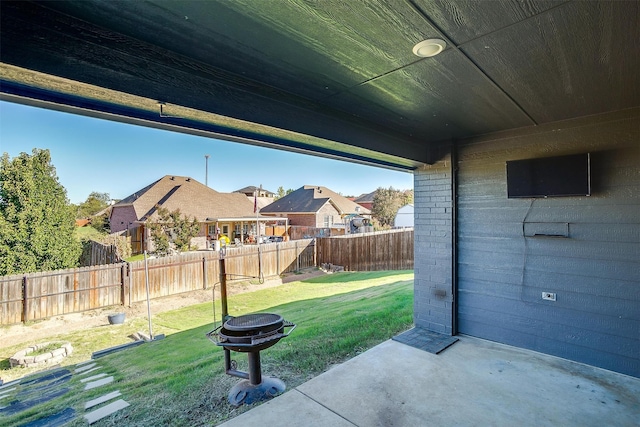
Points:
[(559, 176)]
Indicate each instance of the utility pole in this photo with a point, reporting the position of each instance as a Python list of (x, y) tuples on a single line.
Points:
[(206, 170)]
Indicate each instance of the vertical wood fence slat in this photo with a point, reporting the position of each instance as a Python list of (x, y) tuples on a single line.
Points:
[(37, 296), (390, 250)]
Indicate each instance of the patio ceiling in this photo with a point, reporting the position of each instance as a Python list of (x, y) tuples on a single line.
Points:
[(332, 77)]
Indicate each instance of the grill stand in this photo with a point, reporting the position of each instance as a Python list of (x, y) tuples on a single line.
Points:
[(253, 387), (256, 387)]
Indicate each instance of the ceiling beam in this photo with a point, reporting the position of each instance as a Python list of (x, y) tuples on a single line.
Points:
[(35, 38)]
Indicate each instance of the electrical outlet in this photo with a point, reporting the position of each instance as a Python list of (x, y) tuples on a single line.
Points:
[(551, 296)]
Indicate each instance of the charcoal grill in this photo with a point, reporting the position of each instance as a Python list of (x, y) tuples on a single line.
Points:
[(251, 333)]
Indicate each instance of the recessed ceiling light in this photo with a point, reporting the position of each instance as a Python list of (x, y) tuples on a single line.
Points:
[(428, 48)]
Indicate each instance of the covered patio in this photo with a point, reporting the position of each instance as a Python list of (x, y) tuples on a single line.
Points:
[(452, 91), (472, 383), (244, 230)]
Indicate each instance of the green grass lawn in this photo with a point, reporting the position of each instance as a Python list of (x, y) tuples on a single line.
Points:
[(180, 380), (87, 233), (139, 257)]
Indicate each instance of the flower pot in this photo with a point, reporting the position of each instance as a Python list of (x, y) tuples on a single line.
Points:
[(116, 319)]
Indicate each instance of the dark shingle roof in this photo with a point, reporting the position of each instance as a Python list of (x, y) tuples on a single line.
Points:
[(190, 196), (309, 199), (366, 198), (250, 190)]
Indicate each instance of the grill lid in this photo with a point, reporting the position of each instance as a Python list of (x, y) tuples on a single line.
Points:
[(253, 321)]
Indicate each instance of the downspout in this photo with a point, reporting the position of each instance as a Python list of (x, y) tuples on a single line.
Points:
[(454, 237)]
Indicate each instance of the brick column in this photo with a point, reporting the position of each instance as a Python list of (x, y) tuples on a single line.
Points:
[(433, 252)]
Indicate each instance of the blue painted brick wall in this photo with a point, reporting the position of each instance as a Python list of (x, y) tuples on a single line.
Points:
[(432, 247)]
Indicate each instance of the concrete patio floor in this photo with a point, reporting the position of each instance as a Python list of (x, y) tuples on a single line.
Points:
[(472, 383)]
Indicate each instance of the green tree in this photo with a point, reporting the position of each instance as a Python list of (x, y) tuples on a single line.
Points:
[(36, 219), (386, 202), (101, 223), (172, 230), (281, 192), (94, 204)]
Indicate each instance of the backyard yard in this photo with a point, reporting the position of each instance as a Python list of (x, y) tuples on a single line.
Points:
[(180, 379)]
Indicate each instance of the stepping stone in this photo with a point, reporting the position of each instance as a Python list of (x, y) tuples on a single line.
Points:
[(98, 383), (90, 370), (93, 378), (84, 363), (84, 367), (7, 392), (105, 411), (102, 399), (9, 384)]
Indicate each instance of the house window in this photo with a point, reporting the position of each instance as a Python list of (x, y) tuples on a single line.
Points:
[(328, 220), (211, 229), (225, 230)]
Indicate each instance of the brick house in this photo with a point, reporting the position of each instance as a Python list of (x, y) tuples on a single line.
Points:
[(258, 195), (315, 206), (366, 200), (250, 191), (219, 213)]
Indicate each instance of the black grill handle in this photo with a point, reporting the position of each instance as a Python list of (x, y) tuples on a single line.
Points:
[(287, 324), (214, 333)]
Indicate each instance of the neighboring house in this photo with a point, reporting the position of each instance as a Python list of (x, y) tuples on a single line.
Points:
[(366, 200), (315, 206), (404, 217), (258, 195), (229, 214), (250, 191), (83, 222)]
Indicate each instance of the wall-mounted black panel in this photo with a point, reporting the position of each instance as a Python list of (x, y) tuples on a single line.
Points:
[(549, 176)]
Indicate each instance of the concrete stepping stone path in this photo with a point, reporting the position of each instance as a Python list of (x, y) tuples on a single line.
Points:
[(105, 411), (102, 399), (26, 393), (98, 383), (93, 378)]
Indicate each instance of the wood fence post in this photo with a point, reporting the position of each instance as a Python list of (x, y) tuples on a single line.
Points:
[(297, 257), (25, 310), (278, 259), (129, 280), (124, 291), (223, 290), (315, 255), (204, 272)]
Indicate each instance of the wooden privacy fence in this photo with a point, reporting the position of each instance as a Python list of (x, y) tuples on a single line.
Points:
[(201, 270), (386, 250), (41, 295), (103, 254)]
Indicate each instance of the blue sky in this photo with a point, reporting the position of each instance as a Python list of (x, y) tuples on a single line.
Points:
[(109, 157)]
